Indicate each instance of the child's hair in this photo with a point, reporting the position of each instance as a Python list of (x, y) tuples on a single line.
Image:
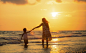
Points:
[(24, 29)]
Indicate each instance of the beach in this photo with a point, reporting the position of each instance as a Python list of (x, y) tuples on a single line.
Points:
[(42, 26), (61, 44)]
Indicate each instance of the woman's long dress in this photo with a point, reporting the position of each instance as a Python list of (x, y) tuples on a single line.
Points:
[(46, 33)]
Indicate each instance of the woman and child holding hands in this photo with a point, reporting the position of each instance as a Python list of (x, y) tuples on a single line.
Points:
[(46, 35)]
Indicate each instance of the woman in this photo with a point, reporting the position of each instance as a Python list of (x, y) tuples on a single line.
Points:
[(46, 32)]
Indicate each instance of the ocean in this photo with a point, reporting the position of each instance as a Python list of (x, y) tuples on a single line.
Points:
[(71, 41)]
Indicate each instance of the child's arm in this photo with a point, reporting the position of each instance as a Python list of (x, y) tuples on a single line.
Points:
[(21, 36), (29, 31)]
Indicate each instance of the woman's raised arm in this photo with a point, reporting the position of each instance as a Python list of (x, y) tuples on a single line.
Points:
[(37, 26)]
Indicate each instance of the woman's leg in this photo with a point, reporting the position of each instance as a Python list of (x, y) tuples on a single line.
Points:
[(42, 41), (47, 42)]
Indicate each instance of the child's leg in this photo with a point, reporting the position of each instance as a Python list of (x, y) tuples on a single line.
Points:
[(47, 42), (26, 42)]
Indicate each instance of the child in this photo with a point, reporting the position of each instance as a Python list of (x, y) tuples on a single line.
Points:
[(25, 36)]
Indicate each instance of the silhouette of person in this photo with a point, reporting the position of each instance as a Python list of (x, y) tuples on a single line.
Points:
[(25, 36), (46, 35)]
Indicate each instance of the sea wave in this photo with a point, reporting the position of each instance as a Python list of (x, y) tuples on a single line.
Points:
[(18, 38), (13, 37)]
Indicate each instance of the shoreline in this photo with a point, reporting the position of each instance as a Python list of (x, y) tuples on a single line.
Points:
[(34, 48)]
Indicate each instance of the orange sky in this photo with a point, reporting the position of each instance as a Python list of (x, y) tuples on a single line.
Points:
[(17, 14)]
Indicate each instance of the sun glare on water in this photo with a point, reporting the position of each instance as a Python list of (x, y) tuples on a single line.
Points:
[(54, 39)]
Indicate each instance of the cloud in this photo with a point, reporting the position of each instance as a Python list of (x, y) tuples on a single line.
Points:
[(59, 1), (21, 2), (38, 0), (51, 2), (54, 2), (80, 13), (68, 15), (44, 9), (80, 0)]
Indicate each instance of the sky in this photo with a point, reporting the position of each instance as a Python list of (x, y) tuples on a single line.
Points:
[(61, 14)]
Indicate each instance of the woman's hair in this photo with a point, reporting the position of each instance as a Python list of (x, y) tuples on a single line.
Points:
[(44, 20), (24, 29)]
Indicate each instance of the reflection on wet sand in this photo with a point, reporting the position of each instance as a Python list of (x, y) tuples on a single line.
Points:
[(54, 39), (25, 46), (54, 48)]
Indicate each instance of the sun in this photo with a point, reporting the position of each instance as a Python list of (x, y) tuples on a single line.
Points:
[(54, 14)]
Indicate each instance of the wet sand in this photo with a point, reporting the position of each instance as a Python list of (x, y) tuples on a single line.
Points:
[(36, 47)]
